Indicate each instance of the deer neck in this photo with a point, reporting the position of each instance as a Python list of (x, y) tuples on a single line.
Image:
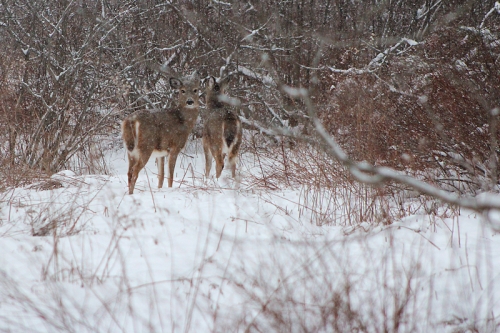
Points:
[(214, 104), (189, 114)]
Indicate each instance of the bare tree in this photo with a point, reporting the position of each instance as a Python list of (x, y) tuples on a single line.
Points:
[(410, 86)]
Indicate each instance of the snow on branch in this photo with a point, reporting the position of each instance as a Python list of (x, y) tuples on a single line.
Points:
[(253, 32), (380, 58), (490, 39), (496, 8), (378, 61), (255, 125), (267, 80)]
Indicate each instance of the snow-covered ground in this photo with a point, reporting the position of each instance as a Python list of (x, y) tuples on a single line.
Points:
[(230, 257)]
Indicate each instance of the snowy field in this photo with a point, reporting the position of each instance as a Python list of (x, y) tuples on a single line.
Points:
[(230, 257)]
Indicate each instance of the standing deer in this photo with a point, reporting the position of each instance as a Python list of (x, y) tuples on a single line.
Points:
[(221, 129), (161, 132)]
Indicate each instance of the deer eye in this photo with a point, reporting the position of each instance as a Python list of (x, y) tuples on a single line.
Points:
[(216, 88), (183, 91), (195, 90)]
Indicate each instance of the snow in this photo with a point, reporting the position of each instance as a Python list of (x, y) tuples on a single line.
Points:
[(295, 92), (208, 256), (421, 12), (265, 79), (65, 177), (410, 42)]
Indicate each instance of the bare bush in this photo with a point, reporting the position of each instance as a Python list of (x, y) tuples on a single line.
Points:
[(410, 86)]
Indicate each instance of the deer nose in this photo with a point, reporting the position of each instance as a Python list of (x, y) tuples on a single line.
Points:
[(190, 102)]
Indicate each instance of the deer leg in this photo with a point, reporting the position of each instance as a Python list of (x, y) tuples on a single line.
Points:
[(131, 163), (208, 157), (133, 177), (232, 159), (172, 158), (219, 162), (137, 167), (160, 162)]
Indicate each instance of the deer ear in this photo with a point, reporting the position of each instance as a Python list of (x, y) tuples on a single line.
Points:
[(175, 83), (225, 81), (195, 75), (211, 82)]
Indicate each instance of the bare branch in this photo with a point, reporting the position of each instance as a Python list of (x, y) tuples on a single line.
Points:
[(370, 174)]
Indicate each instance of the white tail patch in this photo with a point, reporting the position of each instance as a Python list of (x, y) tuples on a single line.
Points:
[(135, 153), (236, 137), (225, 148), (136, 136), (159, 153)]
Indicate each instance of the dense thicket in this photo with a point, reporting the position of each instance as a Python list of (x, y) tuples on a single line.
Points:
[(410, 84)]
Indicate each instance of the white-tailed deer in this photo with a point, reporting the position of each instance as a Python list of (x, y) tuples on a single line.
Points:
[(161, 132), (221, 129)]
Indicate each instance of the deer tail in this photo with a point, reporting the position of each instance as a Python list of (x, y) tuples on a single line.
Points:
[(230, 131), (129, 134)]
